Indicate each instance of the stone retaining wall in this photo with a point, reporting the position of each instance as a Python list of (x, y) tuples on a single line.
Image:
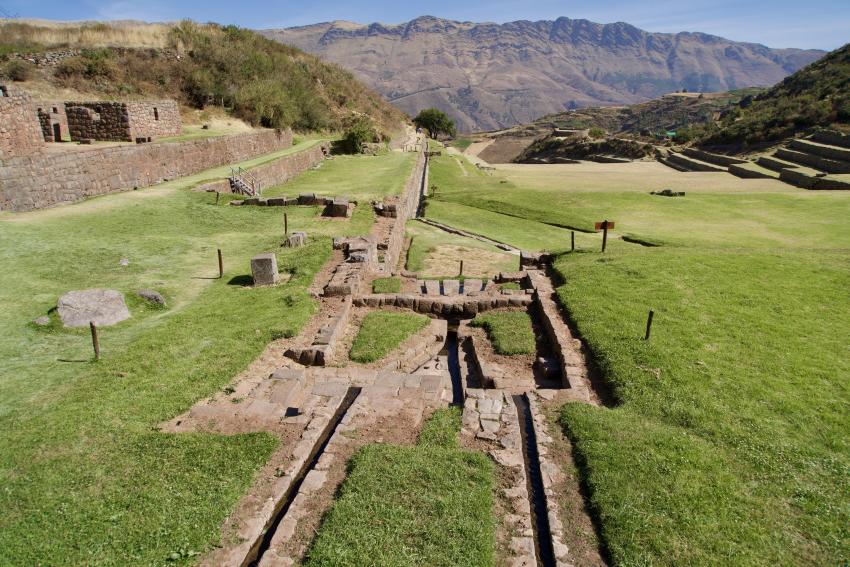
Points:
[(459, 306), (285, 168), (420, 348), (565, 347), (405, 209), (551, 476), (491, 374), (322, 351), (39, 181)]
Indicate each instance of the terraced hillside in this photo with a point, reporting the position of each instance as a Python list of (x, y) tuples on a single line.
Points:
[(816, 96), (819, 161)]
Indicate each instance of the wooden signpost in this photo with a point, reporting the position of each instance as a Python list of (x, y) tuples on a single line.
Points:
[(285, 225), (220, 265), (95, 341), (649, 324), (604, 226)]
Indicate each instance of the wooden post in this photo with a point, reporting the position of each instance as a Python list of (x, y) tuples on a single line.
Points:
[(217, 196), (285, 225), (94, 340), (220, 265), (649, 324), (604, 234), (461, 267), (572, 241)]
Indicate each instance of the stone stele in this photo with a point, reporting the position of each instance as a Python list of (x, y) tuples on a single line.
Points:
[(264, 269), (104, 307)]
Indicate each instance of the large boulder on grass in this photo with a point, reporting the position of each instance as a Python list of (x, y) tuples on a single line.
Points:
[(103, 307)]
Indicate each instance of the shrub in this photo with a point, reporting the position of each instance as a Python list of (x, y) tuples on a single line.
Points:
[(596, 133), (357, 136), (18, 70)]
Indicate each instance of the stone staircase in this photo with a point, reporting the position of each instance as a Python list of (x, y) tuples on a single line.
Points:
[(821, 161)]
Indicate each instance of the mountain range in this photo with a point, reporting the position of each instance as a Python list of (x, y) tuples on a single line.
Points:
[(489, 76)]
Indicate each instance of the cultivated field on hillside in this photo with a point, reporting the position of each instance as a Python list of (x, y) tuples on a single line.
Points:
[(728, 439)]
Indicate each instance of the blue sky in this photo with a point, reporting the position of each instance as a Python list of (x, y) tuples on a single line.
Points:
[(823, 24)]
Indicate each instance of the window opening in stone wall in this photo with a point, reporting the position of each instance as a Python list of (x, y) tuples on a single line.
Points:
[(155, 113), (55, 110), (3, 91)]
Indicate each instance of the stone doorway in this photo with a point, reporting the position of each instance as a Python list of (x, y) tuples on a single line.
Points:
[(57, 132)]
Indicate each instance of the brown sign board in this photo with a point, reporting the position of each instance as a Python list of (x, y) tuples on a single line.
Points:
[(599, 225)]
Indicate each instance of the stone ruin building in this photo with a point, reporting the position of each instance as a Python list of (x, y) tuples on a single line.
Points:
[(25, 124), (122, 121), (20, 132)]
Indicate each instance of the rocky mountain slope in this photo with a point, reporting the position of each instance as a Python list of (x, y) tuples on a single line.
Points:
[(490, 76)]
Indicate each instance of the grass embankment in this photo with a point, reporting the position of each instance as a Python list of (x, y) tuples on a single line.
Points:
[(381, 332), (730, 442), (386, 285), (435, 253), (461, 143), (430, 504), (87, 478), (510, 332)]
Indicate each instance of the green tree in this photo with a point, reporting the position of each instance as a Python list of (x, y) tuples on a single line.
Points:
[(360, 133), (436, 122)]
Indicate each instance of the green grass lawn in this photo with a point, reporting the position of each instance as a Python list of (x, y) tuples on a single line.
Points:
[(86, 476), (362, 178), (730, 443), (430, 504), (461, 143), (381, 332), (386, 285), (510, 332)]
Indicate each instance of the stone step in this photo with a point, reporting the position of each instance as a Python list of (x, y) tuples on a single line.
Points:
[(451, 287), (821, 163), (691, 164), (804, 177), (708, 157), (666, 161), (751, 170), (832, 138), (432, 287), (775, 164), (823, 150)]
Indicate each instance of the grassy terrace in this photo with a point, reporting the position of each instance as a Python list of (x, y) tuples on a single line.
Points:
[(86, 476), (729, 443), (435, 253), (510, 332), (381, 332), (425, 505), (358, 177)]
